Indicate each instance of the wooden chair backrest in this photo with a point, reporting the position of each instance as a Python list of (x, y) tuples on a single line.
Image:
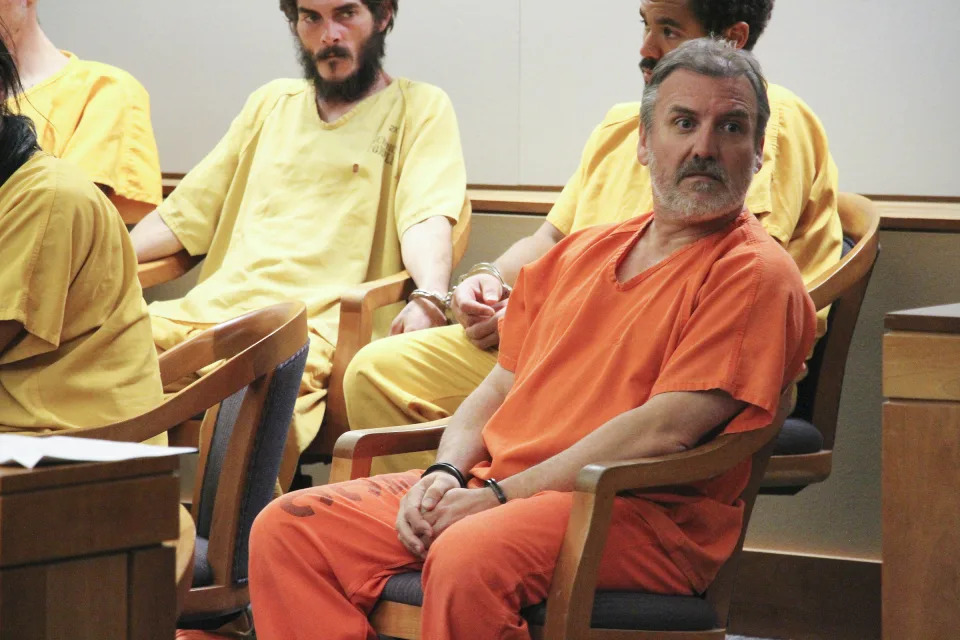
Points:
[(721, 590), (251, 348), (844, 287)]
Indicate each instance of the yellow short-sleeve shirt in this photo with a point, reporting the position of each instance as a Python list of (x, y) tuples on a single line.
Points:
[(794, 195), (69, 276), (288, 207), (98, 117)]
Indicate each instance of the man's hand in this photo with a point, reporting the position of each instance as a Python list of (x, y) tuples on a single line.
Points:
[(478, 304), (413, 530), (485, 334), (456, 505), (418, 314)]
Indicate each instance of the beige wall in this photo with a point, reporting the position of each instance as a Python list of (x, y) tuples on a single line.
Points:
[(531, 78)]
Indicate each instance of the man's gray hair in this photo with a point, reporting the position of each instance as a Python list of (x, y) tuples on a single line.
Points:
[(714, 58)]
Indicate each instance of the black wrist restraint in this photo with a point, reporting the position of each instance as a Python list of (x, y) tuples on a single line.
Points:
[(497, 490), (446, 467)]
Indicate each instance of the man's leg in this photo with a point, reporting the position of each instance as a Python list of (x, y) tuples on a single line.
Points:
[(484, 569), (320, 557), (411, 378)]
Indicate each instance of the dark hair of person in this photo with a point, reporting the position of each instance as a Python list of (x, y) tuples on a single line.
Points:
[(377, 7), (716, 16), (18, 138), (716, 59)]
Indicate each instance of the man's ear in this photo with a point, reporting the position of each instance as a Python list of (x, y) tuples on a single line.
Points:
[(738, 33), (759, 155), (643, 153), (387, 17)]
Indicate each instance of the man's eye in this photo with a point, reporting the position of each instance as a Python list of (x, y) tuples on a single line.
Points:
[(732, 127), (684, 123), (668, 32)]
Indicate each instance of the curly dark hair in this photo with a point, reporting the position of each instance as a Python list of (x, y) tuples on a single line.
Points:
[(377, 7), (716, 16), (18, 138)]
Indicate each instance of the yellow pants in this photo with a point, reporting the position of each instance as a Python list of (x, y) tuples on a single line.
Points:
[(412, 378), (311, 401)]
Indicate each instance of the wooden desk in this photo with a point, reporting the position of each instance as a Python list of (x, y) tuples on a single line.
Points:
[(82, 554), (921, 474)]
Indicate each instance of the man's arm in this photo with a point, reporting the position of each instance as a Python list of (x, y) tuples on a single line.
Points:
[(462, 446), (427, 255), (667, 423), (153, 239), (479, 301)]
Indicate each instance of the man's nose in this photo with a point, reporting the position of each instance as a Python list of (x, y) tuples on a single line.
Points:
[(704, 143), (332, 33), (649, 48)]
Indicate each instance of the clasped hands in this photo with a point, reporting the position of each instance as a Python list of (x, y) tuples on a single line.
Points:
[(432, 505), (478, 304)]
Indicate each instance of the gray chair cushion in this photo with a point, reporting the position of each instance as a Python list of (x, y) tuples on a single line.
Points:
[(611, 609), (202, 573), (798, 437)]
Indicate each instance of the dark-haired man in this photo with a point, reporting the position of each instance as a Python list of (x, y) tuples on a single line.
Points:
[(421, 377), (624, 341), (317, 186)]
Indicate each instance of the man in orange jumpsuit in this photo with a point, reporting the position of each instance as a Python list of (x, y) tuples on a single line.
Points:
[(624, 341)]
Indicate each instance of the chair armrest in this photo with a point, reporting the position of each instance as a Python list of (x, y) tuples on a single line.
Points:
[(355, 450), (570, 601), (165, 269), (354, 332)]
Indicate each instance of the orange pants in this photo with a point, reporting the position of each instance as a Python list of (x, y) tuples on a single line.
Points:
[(320, 557)]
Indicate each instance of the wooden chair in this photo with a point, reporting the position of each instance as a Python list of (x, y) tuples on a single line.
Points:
[(574, 610), (357, 307), (803, 454), (251, 394)]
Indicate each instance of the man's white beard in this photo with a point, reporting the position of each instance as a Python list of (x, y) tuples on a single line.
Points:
[(681, 205)]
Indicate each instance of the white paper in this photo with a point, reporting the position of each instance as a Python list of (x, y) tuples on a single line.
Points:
[(29, 451)]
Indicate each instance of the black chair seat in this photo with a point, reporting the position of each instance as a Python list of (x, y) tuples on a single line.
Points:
[(611, 609), (798, 437)]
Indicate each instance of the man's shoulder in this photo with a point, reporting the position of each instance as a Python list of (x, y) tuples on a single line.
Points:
[(785, 101), (753, 244), (56, 187), (624, 114), (422, 95), (268, 96), (279, 88), (100, 74)]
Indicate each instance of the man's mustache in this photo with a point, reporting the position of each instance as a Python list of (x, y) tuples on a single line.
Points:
[(335, 51), (702, 167), (647, 64)]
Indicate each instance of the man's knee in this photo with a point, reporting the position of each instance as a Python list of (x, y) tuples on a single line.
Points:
[(359, 386), (460, 559), (278, 528)]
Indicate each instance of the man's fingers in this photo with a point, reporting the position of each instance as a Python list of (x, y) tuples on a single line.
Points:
[(431, 497), (396, 327), (489, 341), (491, 290), (475, 308)]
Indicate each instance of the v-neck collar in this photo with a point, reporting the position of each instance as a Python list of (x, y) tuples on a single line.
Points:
[(614, 263)]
